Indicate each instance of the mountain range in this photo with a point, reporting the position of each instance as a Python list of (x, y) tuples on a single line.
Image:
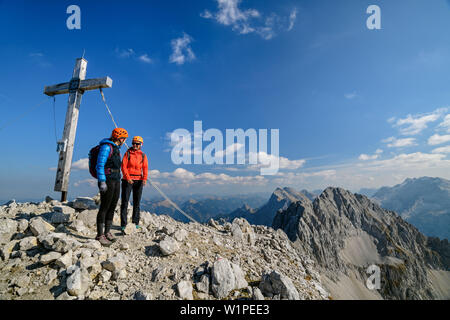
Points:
[(423, 202), (346, 233)]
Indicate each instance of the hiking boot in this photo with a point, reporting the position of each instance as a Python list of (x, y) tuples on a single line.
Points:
[(110, 237), (102, 239), (122, 229)]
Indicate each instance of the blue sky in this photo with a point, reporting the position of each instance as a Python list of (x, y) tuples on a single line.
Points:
[(355, 107)]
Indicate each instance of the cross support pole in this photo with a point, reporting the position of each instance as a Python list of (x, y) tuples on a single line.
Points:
[(75, 88)]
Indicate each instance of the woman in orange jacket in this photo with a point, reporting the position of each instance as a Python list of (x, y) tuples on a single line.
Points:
[(135, 172)]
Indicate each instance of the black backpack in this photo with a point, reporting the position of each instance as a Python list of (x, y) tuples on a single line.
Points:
[(93, 157)]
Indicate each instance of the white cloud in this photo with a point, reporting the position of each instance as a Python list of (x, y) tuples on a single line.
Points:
[(292, 18), (446, 123), (398, 143), (145, 58), (366, 157), (124, 53), (414, 124), (185, 178), (82, 164), (181, 50), (438, 139), (91, 182), (350, 96), (245, 21), (442, 150)]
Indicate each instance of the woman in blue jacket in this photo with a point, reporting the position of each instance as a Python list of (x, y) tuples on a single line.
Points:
[(108, 175)]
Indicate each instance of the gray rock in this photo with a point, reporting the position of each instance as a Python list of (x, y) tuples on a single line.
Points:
[(114, 264), (84, 203), (180, 235), (64, 209), (184, 289), (8, 226), (49, 257), (203, 284), (239, 276), (89, 218), (140, 295), (28, 243), (257, 294), (7, 249), (64, 245), (222, 277), (104, 276), (169, 246), (78, 282), (277, 284), (236, 232), (130, 229), (159, 274), (65, 261), (65, 296), (22, 225), (59, 217), (51, 276), (40, 227)]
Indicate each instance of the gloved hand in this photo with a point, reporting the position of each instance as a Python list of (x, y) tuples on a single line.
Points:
[(102, 186)]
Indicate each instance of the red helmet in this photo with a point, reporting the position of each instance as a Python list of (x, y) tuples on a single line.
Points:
[(119, 133)]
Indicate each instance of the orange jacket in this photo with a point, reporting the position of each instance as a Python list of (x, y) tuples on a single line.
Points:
[(137, 167)]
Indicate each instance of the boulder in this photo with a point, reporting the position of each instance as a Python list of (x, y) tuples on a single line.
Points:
[(236, 232), (276, 283), (49, 257), (8, 226), (104, 276), (130, 228), (78, 282), (65, 261), (139, 295), (39, 226), (28, 243), (84, 203), (79, 226), (64, 209), (257, 294), (22, 225), (184, 289), (239, 276), (7, 249), (203, 284), (169, 246), (64, 245), (49, 239), (222, 277), (59, 217), (114, 264), (89, 218), (180, 235)]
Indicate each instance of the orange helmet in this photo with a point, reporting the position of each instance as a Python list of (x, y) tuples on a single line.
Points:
[(138, 139), (119, 133)]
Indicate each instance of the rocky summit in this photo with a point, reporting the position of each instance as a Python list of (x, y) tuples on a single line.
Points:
[(48, 251)]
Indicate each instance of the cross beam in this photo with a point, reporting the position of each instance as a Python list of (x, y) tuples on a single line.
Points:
[(75, 88)]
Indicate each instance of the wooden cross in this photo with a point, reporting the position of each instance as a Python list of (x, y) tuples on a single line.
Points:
[(75, 88)]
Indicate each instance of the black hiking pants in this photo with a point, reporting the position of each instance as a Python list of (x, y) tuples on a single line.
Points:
[(108, 202), (136, 187)]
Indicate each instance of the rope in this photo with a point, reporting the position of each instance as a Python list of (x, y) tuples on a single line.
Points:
[(153, 185), (54, 118), (22, 115)]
